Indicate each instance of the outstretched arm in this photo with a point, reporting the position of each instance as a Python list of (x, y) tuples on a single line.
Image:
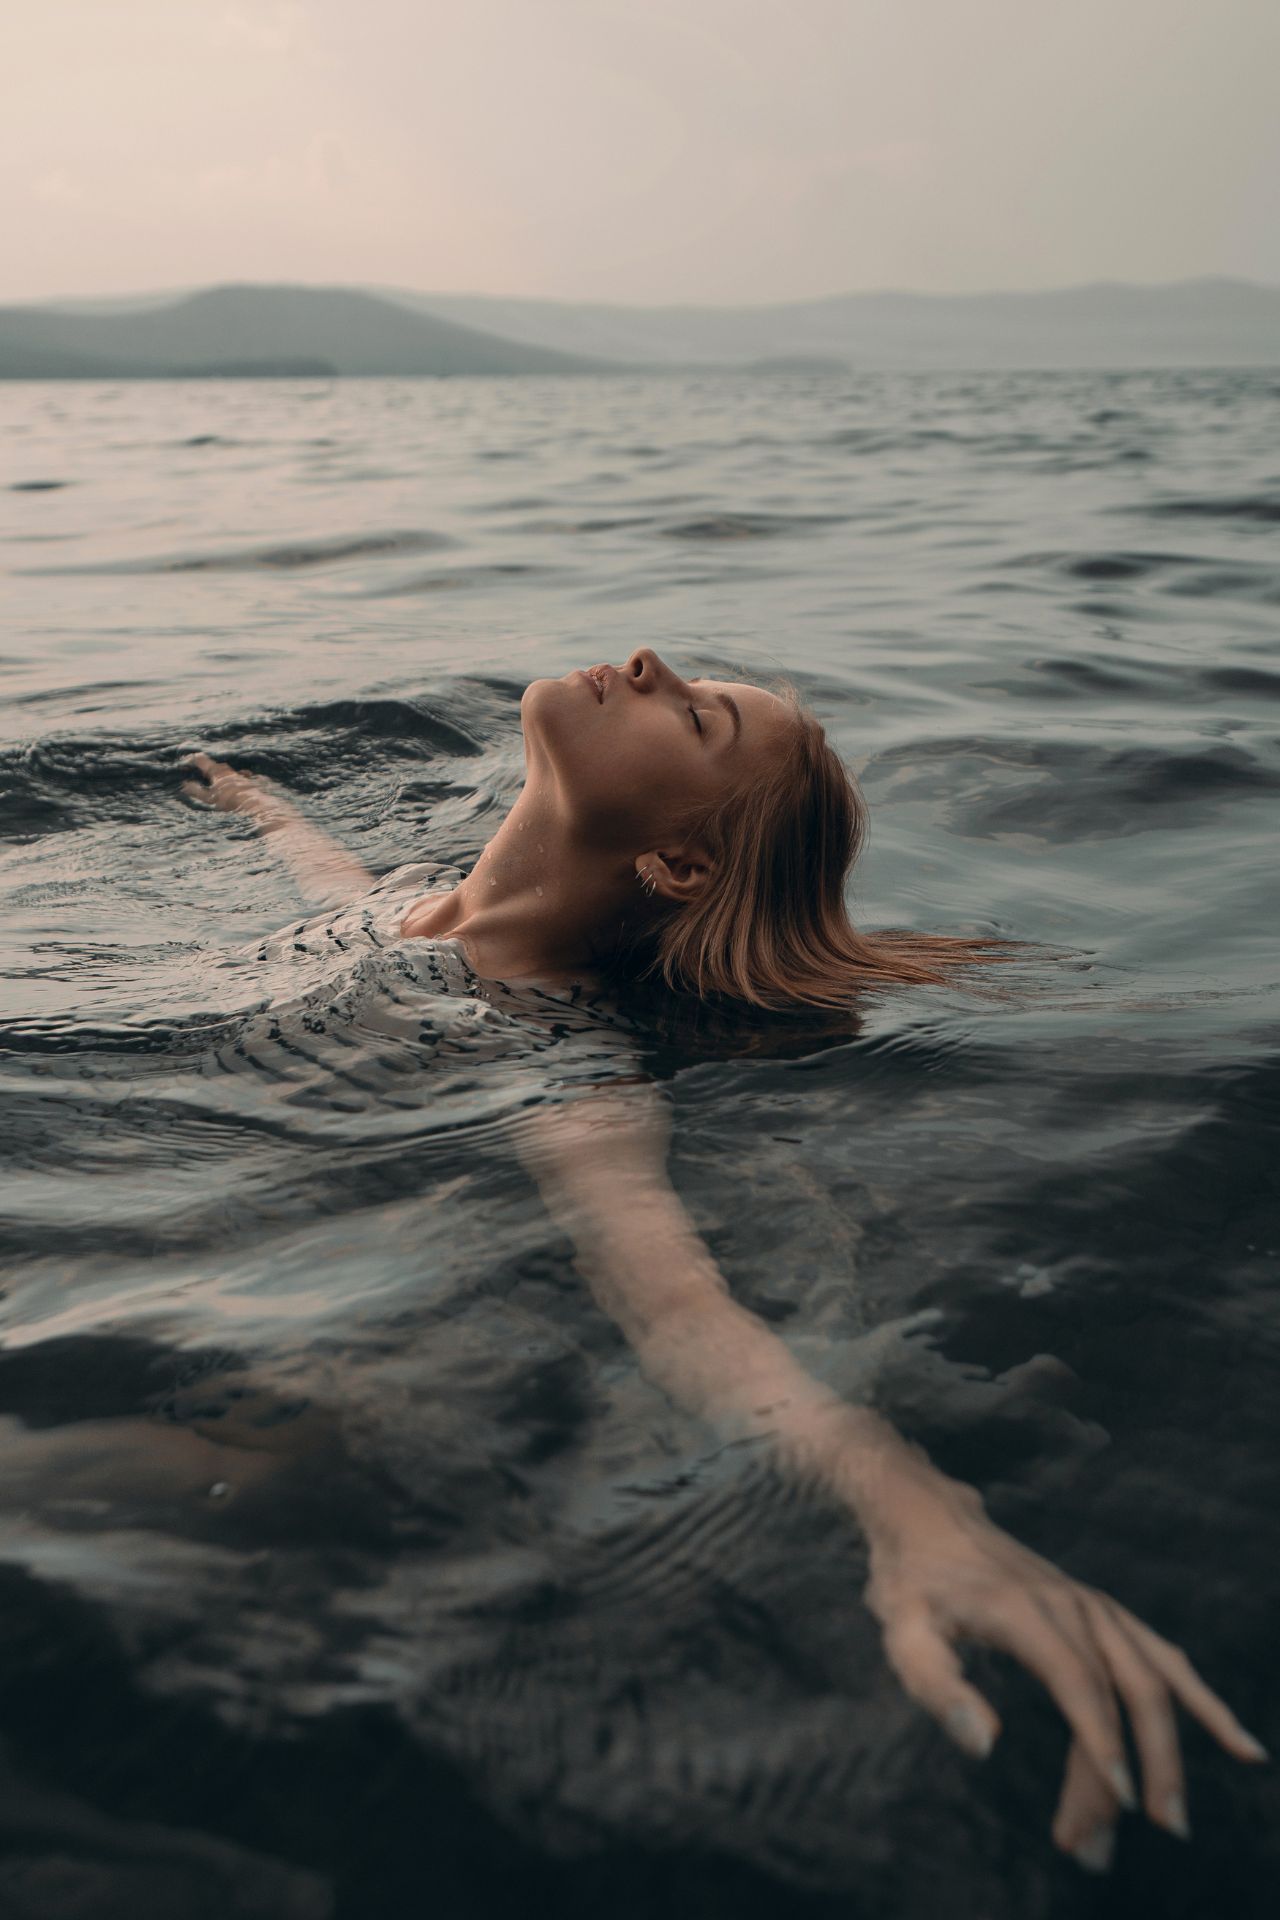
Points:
[(941, 1571), (325, 872)]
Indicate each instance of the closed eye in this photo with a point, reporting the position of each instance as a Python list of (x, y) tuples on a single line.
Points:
[(697, 723)]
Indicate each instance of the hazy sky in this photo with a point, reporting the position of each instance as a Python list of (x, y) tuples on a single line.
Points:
[(637, 150)]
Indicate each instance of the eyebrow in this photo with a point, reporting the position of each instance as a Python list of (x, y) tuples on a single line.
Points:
[(730, 706)]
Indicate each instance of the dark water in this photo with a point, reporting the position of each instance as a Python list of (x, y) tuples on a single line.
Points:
[(349, 1565)]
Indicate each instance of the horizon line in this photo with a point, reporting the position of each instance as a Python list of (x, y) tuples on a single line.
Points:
[(663, 306)]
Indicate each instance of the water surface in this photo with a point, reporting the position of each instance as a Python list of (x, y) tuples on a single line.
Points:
[(348, 1561)]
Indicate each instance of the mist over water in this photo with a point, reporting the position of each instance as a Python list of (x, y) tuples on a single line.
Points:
[(347, 1558)]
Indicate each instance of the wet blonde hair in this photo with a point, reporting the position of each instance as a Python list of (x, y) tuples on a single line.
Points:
[(771, 929)]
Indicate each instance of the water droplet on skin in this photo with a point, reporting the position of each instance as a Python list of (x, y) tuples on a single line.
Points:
[(523, 825), (493, 883), (541, 848), (538, 890)]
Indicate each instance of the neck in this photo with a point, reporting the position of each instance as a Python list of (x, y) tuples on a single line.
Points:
[(537, 902)]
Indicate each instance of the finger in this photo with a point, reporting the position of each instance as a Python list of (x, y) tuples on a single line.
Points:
[(931, 1673), (215, 771), (1085, 1822), (1198, 1698), (196, 792), (1146, 1695), (1073, 1671)]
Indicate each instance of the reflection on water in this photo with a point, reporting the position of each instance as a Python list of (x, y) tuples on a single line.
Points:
[(347, 1558)]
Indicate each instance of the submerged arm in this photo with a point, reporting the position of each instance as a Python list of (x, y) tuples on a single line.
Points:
[(324, 870), (941, 1570), (600, 1166)]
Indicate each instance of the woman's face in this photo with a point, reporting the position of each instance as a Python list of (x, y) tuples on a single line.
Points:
[(632, 750)]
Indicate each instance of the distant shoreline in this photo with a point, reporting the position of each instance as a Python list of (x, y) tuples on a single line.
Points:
[(292, 332)]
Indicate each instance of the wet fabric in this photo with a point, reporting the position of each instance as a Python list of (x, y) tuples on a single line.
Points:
[(350, 1007)]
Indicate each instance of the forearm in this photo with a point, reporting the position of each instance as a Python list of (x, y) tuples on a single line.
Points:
[(721, 1362), (324, 870), (651, 1273)]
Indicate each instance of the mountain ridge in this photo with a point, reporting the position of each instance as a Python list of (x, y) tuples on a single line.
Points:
[(244, 329), (1212, 320)]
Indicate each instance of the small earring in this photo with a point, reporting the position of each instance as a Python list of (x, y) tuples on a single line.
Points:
[(643, 875)]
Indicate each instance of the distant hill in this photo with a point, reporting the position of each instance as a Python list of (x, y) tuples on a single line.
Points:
[(260, 331), (324, 331), (1212, 322)]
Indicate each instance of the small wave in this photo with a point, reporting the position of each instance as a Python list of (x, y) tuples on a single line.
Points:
[(1231, 580), (388, 719), (1255, 682), (57, 783), (931, 1048), (1094, 461), (171, 1038), (881, 440), (276, 558), (1118, 566), (1111, 566), (518, 503), (1061, 790), (601, 523), (749, 526), (38, 486), (1153, 776), (461, 579), (1263, 507), (1096, 679), (1195, 576), (62, 781), (78, 697)]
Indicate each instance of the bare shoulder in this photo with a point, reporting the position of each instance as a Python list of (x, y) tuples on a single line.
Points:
[(426, 916)]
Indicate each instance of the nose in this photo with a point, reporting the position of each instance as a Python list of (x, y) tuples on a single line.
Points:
[(647, 670)]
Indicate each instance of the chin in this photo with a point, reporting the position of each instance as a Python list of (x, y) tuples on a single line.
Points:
[(537, 698), (556, 700), (547, 715), (563, 739)]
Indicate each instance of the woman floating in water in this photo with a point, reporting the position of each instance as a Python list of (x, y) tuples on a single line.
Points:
[(701, 833)]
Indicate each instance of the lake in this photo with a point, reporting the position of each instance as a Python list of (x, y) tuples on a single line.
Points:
[(472, 1620)]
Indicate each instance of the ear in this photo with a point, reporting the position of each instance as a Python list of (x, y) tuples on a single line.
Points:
[(677, 875)]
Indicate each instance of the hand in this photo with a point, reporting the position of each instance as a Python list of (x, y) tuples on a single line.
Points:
[(941, 1571), (224, 788)]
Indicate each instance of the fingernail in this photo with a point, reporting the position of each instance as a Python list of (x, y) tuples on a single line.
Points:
[(965, 1728), (1175, 1816), (1122, 1780), (1254, 1748), (1096, 1852)]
